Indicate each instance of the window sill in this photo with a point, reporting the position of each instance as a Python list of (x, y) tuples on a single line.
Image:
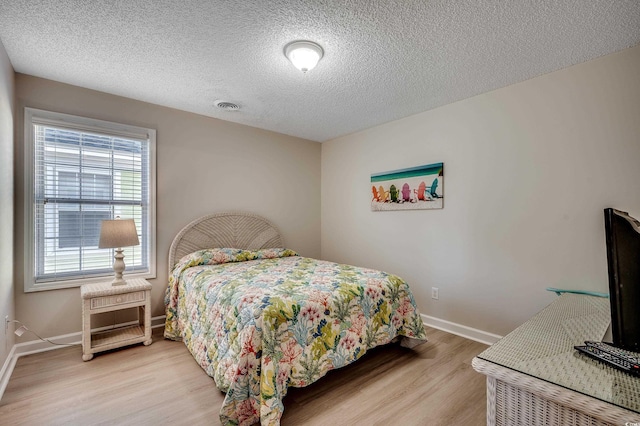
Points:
[(58, 285)]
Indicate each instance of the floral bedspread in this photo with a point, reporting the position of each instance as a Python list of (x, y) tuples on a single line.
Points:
[(260, 322)]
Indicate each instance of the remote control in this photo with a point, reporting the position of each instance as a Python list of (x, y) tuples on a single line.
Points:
[(619, 363), (633, 358)]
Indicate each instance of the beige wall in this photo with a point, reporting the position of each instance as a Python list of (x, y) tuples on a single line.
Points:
[(204, 165), (528, 170), (6, 200)]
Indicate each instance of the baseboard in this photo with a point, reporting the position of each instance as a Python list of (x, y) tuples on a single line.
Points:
[(461, 330), (7, 369), (36, 346)]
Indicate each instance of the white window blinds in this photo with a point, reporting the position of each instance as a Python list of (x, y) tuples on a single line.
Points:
[(82, 175)]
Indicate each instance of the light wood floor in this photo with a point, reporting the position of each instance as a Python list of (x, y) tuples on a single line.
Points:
[(434, 384)]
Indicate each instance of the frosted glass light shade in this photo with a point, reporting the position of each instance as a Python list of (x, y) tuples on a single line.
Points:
[(304, 55)]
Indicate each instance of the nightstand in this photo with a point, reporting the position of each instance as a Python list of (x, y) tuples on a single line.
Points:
[(103, 297)]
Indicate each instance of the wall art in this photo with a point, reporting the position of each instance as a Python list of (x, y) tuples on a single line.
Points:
[(414, 188)]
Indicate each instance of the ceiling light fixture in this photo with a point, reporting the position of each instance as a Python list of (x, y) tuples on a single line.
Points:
[(304, 55)]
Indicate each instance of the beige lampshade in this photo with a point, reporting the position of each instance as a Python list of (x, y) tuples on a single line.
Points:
[(118, 233)]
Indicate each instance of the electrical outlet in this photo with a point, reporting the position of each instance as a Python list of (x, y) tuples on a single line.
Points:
[(434, 293)]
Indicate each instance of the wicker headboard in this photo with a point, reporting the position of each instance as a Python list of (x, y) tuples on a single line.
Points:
[(235, 230)]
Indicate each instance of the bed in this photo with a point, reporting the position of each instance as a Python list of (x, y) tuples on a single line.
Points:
[(259, 318)]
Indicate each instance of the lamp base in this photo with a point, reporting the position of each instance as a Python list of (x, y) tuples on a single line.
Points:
[(118, 268), (118, 281)]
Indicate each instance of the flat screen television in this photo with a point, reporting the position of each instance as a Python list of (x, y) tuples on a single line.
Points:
[(623, 260)]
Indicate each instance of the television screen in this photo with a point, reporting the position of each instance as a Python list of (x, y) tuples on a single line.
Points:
[(623, 260)]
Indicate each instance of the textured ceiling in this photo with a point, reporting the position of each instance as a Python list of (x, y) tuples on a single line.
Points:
[(383, 59)]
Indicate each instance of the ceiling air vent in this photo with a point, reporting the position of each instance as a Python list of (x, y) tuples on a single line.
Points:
[(227, 106)]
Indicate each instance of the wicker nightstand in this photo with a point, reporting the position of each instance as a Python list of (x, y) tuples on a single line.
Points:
[(103, 297)]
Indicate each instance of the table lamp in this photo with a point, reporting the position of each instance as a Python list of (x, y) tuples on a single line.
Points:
[(116, 234)]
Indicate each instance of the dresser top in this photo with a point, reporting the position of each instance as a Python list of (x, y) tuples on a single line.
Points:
[(543, 347), (105, 288)]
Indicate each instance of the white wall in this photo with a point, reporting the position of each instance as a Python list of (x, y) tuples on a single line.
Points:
[(204, 165), (6, 200), (528, 170)]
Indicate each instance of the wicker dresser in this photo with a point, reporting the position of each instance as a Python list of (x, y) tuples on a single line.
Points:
[(536, 377)]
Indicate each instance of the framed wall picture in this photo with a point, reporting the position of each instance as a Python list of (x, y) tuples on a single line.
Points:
[(415, 188)]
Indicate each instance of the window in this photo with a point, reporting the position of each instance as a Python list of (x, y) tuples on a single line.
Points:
[(80, 172)]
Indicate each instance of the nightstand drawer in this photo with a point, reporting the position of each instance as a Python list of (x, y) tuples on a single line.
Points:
[(117, 299)]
